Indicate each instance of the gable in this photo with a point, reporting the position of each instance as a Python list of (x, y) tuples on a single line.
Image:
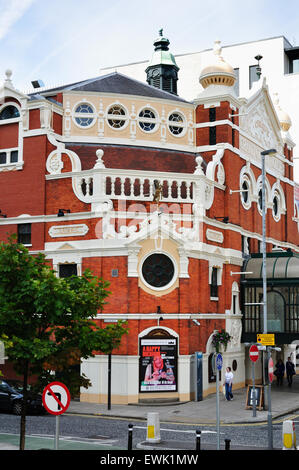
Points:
[(260, 129), (261, 122)]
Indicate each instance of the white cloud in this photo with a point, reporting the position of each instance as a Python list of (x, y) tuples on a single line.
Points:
[(11, 12)]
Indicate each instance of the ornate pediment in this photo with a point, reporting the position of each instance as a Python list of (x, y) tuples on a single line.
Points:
[(260, 130), (261, 125)]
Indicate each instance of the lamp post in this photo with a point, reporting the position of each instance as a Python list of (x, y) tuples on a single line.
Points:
[(265, 316)]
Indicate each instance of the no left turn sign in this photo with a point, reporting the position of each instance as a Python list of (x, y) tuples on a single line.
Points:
[(56, 398)]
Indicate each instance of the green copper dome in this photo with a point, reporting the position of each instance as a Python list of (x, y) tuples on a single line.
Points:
[(162, 55)]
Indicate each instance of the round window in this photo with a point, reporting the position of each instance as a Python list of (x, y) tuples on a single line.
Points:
[(116, 117), (147, 120), (158, 270), (176, 123), (81, 115)]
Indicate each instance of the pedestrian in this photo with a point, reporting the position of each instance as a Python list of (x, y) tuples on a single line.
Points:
[(228, 384), (279, 372), (290, 370)]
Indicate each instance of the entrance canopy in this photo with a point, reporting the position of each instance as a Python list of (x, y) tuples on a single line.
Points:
[(282, 277), (281, 267)]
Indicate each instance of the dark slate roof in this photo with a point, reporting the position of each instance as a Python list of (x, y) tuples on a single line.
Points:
[(115, 83)]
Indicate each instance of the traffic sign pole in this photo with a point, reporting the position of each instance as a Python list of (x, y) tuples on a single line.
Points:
[(57, 433), (218, 363), (254, 355), (270, 378), (253, 392), (56, 400)]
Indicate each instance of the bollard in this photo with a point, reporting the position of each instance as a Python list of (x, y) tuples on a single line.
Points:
[(198, 433), (288, 435), (130, 437), (227, 444), (153, 427)]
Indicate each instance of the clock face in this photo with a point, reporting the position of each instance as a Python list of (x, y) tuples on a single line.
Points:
[(155, 73)]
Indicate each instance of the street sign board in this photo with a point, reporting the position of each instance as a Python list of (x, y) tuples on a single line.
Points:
[(253, 353), (219, 361), (270, 369), (266, 339), (56, 398)]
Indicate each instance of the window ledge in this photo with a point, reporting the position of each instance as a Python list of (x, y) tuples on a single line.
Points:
[(214, 298), (11, 166)]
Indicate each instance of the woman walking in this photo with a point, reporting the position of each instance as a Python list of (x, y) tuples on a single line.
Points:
[(228, 384)]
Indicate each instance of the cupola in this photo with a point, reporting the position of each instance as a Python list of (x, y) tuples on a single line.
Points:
[(218, 72), (162, 71)]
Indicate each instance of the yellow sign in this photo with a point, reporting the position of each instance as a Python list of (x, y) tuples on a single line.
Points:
[(266, 339)]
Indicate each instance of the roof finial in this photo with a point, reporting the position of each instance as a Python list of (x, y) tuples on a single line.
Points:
[(8, 74), (217, 48), (161, 32)]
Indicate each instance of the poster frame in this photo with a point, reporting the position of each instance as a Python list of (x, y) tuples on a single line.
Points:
[(156, 340)]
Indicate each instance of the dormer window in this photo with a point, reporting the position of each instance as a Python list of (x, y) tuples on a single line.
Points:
[(9, 112)]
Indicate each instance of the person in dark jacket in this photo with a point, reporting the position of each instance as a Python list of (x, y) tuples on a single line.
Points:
[(290, 370), (279, 372)]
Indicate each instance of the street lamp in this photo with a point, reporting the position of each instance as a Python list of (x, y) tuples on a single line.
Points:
[(263, 154), (265, 316)]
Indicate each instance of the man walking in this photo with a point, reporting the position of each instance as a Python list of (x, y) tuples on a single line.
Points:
[(290, 370)]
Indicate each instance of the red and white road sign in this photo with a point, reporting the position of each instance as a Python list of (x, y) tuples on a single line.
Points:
[(270, 369), (253, 353), (56, 398)]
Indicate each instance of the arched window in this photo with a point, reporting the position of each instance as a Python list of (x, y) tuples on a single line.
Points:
[(9, 112), (275, 312)]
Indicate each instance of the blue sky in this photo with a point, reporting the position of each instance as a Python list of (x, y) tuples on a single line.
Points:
[(60, 41)]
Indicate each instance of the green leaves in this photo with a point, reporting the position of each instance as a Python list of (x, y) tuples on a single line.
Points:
[(50, 321)]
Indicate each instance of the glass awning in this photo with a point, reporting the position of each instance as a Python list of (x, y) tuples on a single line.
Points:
[(280, 266)]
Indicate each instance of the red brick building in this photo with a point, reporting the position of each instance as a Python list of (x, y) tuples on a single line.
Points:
[(161, 197)]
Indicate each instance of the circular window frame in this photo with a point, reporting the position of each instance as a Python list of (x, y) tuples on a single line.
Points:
[(123, 118), (76, 114), (152, 121), (175, 273), (171, 124)]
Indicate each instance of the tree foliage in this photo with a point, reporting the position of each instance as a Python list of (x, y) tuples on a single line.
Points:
[(49, 321)]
